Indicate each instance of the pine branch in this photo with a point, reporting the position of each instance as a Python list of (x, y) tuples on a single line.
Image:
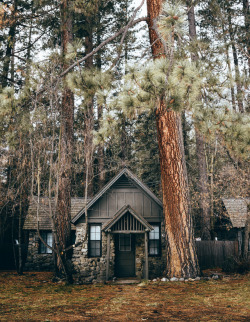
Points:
[(125, 32), (105, 42)]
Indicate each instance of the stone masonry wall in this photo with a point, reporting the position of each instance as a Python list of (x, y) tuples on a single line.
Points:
[(157, 264), (87, 270), (36, 261)]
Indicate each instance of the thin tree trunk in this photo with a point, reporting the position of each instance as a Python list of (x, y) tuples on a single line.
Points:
[(100, 149), (236, 64), (9, 49), (246, 235), (89, 120), (20, 239), (181, 254), (200, 149), (63, 213), (247, 27)]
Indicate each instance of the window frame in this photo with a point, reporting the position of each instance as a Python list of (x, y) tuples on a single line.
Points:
[(42, 248), (89, 241), (159, 240)]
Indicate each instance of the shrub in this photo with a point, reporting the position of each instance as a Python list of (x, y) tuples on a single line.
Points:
[(236, 265)]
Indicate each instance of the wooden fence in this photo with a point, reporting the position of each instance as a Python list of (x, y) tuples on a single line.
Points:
[(213, 253)]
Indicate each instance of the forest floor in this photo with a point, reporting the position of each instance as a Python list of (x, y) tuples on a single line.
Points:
[(34, 297)]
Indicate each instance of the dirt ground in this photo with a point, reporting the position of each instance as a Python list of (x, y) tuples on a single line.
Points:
[(34, 297)]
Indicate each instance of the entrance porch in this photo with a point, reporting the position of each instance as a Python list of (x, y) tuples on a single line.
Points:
[(129, 231)]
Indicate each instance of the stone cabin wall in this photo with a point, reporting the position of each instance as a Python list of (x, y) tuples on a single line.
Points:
[(87, 270), (34, 260)]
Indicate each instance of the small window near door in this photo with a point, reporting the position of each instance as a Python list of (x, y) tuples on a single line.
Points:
[(154, 241), (47, 237), (125, 242), (95, 241)]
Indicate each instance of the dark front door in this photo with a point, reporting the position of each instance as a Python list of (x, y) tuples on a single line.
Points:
[(124, 255)]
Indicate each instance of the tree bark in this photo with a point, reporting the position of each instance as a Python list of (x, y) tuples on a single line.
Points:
[(246, 235), (181, 255), (63, 213), (236, 63), (200, 149), (89, 120), (9, 47), (247, 25)]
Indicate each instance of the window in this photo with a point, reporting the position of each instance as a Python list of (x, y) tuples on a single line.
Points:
[(125, 242), (47, 237), (154, 241), (95, 240)]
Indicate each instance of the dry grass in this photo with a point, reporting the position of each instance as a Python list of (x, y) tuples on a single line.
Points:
[(33, 297)]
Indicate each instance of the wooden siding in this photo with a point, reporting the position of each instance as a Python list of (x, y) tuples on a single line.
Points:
[(116, 198), (213, 254)]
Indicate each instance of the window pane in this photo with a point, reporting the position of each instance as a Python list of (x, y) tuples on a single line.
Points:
[(47, 237), (95, 248), (49, 242), (95, 241), (154, 248), (125, 242), (95, 232), (154, 234)]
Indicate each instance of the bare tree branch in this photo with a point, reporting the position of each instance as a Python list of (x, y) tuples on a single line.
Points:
[(105, 42)]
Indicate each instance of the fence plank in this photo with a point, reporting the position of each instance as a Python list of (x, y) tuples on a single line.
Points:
[(213, 253)]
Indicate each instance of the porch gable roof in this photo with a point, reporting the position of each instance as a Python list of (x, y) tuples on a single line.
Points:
[(122, 212)]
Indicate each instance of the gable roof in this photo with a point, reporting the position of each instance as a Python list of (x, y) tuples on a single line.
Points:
[(131, 177), (44, 214), (120, 213), (237, 211)]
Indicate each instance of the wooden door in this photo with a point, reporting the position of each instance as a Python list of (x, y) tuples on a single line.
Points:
[(125, 255)]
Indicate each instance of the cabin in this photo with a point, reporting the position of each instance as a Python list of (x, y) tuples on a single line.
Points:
[(126, 235), (231, 223)]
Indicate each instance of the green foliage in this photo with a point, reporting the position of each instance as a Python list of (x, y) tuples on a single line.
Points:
[(172, 20), (89, 84), (236, 265), (144, 87), (231, 127)]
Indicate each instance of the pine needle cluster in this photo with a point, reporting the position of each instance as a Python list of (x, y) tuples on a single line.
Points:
[(146, 86)]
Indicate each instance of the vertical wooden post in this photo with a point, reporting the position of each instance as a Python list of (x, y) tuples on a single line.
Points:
[(146, 255), (108, 256)]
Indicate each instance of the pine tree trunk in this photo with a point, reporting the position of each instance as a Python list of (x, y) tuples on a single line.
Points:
[(9, 48), (246, 235), (100, 149), (247, 25), (236, 64), (89, 121), (200, 150), (63, 213), (181, 255)]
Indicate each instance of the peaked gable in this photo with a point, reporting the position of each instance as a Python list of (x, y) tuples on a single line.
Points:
[(237, 211), (116, 181), (131, 222)]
